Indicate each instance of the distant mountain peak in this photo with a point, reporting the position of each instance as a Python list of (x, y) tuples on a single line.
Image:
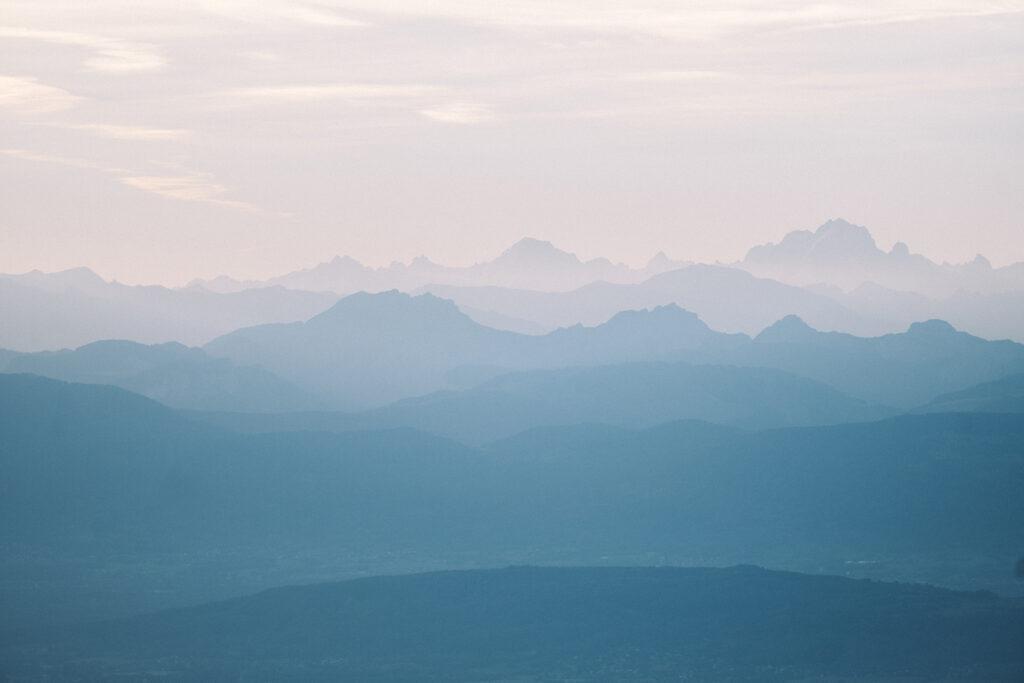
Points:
[(789, 329), (932, 328), (532, 251), (669, 313), (392, 305), (844, 228), (836, 242)]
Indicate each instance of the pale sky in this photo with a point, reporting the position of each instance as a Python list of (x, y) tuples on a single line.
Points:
[(164, 140)]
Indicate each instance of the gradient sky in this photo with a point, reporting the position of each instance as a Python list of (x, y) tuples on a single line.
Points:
[(160, 141)]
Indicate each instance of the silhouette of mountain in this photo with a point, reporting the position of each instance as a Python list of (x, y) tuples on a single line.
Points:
[(843, 254), (373, 349), (170, 373), (727, 299), (370, 349), (1004, 395), (530, 263), (73, 308), (902, 370), (583, 624), (115, 485), (994, 315), (628, 395)]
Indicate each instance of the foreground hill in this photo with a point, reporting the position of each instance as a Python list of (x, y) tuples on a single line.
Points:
[(539, 624), (103, 488)]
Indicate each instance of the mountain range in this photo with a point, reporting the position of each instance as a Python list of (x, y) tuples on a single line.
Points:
[(529, 263), (845, 255), (835, 278), (100, 483), (355, 355)]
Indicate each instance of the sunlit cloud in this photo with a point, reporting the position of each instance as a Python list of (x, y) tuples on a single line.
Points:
[(343, 91), (190, 187), (460, 112), (139, 133), (196, 187), (27, 155), (671, 19), (270, 11), (109, 54), (669, 76), (29, 96)]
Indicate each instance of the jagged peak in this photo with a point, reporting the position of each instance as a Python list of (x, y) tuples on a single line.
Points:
[(841, 226)]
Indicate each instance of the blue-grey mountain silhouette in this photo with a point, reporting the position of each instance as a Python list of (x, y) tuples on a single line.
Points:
[(171, 373), (97, 472), (573, 623)]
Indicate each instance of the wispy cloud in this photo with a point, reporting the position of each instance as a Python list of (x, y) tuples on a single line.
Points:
[(275, 11), (109, 54), (669, 76), (60, 160), (466, 113), (673, 19), (189, 187), (195, 187), (342, 91), (116, 132), (29, 96)]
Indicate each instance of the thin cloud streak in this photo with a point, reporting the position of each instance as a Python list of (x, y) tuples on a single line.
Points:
[(465, 113), (192, 187), (111, 55), (667, 19), (137, 133), (343, 91), (269, 12), (29, 96), (196, 187), (62, 161)]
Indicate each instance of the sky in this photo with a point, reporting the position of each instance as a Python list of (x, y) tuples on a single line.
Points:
[(165, 140)]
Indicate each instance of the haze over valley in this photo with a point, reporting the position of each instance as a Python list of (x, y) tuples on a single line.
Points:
[(518, 342)]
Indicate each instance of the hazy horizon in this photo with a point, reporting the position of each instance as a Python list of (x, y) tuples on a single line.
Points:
[(218, 137), (633, 265)]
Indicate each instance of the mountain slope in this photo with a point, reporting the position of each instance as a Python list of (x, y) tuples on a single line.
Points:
[(369, 349), (902, 370), (171, 373), (372, 349), (48, 311), (106, 493), (629, 395), (727, 299), (1004, 395), (529, 623)]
